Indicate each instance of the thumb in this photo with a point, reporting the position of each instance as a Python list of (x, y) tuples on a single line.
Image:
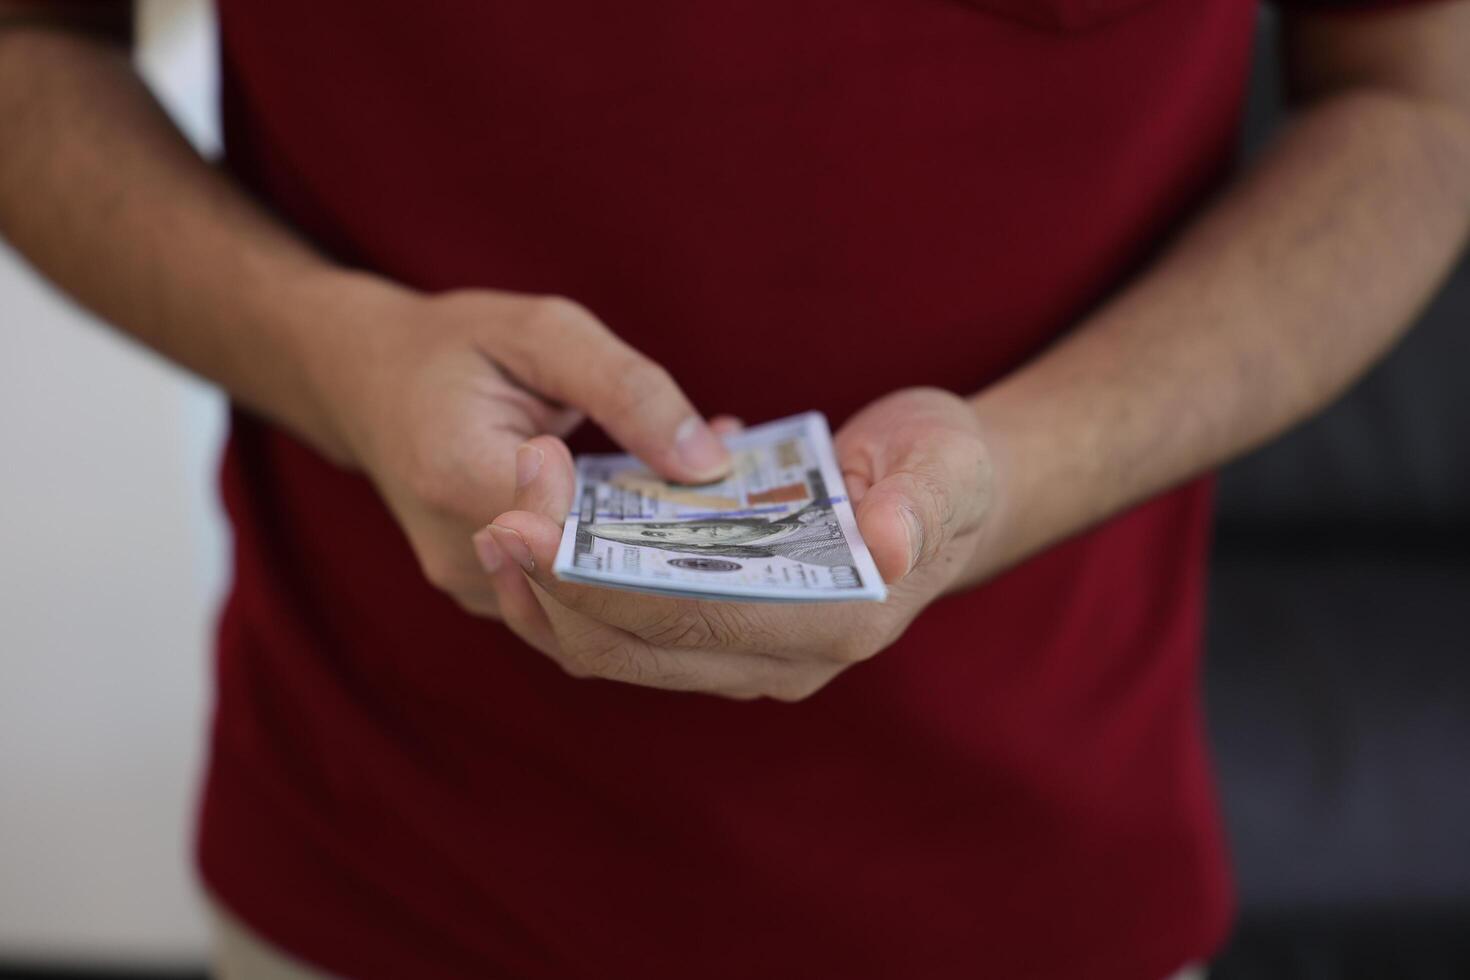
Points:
[(911, 514), (563, 352), (546, 478), (902, 523)]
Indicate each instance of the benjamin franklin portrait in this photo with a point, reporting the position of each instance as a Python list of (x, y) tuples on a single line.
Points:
[(811, 535)]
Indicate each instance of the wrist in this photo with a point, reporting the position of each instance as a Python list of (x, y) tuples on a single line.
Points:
[(340, 329), (995, 545)]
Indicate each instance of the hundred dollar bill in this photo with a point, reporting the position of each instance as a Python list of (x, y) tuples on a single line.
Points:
[(779, 529)]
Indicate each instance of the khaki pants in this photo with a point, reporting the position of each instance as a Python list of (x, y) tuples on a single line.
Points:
[(239, 954)]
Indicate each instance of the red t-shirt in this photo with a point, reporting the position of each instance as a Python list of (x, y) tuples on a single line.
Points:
[(792, 204)]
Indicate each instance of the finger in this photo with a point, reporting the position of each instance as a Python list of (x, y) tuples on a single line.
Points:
[(546, 478), (447, 562), (587, 647), (590, 648), (563, 352), (479, 602), (725, 426), (531, 542), (517, 605)]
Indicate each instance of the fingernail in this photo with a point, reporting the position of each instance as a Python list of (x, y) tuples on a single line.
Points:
[(698, 448), (488, 551), (514, 545), (528, 464), (916, 536)]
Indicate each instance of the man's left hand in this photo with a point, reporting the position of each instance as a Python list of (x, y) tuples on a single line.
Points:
[(920, 480)]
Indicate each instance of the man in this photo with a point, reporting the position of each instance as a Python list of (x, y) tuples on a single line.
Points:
[(1000, 231)]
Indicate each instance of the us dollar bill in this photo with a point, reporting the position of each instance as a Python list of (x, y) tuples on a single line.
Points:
[(780, 528)]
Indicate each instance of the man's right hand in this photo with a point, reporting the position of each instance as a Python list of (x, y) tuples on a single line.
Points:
[(434, 396), (430, 395)]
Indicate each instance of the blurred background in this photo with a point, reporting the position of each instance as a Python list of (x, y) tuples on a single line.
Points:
[(112, 559), (1338, 674)]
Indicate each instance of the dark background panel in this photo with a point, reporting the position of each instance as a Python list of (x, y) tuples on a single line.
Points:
[(1338, 670)]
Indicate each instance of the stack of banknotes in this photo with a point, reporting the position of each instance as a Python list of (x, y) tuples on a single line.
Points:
[(780, 528)]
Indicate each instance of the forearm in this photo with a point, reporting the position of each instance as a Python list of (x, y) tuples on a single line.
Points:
[(1268, 306), (104, 196)]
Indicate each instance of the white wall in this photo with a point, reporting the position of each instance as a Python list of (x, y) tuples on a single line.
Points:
[(112, 556)]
